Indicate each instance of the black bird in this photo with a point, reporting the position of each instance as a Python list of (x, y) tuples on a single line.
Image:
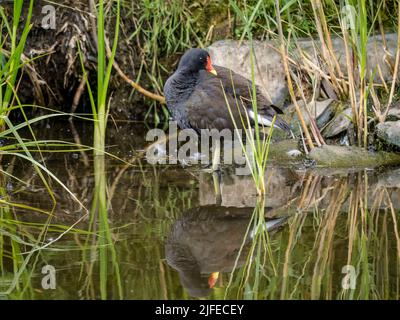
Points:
[(197, 95)]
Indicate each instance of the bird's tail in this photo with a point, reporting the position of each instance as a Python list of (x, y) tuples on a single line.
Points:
[(282, 124), (274, 224), (267, 120)]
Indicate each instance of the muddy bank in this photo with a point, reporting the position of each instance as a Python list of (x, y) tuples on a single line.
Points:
[(54, 75)]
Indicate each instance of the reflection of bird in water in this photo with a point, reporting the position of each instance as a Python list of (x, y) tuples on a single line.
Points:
[(206, 241)]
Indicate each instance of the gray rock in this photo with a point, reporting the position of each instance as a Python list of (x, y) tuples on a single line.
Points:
[(328, 88), (324, 118), (389, 132), (395, 110), (342, 156), (319, 110), (389, 179), (378, 53), (268, 67), (339, 124), (239, 191)]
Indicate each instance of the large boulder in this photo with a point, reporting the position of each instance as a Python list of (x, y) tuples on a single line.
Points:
[(268, 68), (389, 132)]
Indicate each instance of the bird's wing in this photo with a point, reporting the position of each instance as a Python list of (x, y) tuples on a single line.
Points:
[(208, 104), (241, 88), (207, 107)]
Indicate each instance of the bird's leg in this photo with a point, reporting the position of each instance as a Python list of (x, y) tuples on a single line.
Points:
[(216, 156), (217, 186), (214, 166)]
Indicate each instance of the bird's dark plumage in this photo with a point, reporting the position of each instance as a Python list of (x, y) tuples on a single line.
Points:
[(199, 99)]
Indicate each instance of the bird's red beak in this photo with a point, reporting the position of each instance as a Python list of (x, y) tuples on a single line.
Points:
[(209, 67), (213, 279)]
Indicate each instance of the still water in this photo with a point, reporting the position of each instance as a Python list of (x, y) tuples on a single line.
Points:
[(318, 234)]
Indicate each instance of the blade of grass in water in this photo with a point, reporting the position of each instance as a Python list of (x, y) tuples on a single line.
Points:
[(100, 114)]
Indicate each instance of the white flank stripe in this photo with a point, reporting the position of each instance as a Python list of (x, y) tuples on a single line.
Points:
[(262, 120)]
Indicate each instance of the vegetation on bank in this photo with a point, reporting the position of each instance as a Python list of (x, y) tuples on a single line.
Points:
[(148, 51), (155, 33)]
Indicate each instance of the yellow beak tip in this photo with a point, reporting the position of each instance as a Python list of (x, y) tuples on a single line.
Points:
[(214, 72)]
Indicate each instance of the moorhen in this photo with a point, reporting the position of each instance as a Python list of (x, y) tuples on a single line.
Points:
[(196, 99)]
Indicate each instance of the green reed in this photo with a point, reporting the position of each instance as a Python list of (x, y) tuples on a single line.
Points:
[(257, 137), (250, 279), (99, 207), (11, 60), (18, 246), (22, 148), (11, 65)]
